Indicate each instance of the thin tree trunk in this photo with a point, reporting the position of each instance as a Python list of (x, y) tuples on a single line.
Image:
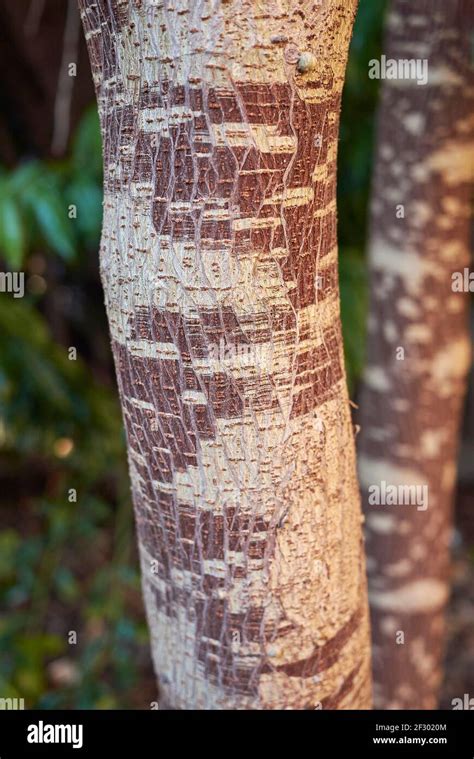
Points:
[(37, 92), (419, 354), (219, 265)]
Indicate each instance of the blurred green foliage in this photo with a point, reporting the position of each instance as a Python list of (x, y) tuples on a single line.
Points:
[(70, 565), (35, 198), (355, 163), (67, 561)]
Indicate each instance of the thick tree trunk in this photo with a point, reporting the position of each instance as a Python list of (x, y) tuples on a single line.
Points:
[(219, 264), (411, 402)]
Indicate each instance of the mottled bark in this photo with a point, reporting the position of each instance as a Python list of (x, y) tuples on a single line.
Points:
[(219, 265), (419, 353)]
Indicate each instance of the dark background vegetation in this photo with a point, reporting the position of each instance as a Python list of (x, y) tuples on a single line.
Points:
[(71, 566)]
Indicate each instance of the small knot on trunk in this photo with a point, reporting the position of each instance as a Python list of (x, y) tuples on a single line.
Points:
[(306, 62)]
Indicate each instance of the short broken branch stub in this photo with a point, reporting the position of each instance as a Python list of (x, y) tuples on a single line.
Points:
[(306, 62)]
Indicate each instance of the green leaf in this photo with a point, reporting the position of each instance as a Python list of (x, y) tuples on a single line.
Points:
[(54, 224), (66, 585), (354, 304), (86, 194), (51, 216), (9, 543), (24, 177), (38, 188), (12, 232), (87, 145)]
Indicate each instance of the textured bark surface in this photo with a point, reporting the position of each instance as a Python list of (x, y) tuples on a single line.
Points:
[(410, 407), (219, 264)]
